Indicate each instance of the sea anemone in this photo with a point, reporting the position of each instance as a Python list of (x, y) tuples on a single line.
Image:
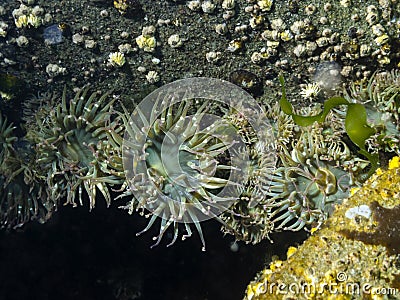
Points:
[(310, 91), (299, 192), (381, 97), (6, 139), (312, 177), (182, 164), (21, 192), (175, 166), (248, 217), (73, 146)]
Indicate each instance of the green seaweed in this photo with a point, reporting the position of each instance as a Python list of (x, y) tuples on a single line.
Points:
[(356, 124)]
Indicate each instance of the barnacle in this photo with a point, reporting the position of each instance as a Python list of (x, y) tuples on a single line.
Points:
[(147, 43), (265, 5), (178, 167), (72, 146), (116, 59)]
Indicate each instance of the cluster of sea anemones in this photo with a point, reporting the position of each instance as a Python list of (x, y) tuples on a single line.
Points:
[(299, 190), (179, 163), (71, 148)]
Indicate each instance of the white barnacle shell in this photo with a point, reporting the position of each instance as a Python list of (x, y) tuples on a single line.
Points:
[(175, 41), (228, 4), (345, 3), (322, 41), (297, 27), (3, 29), (148, 30), (256, 57), (270, 35), (152, 77), (194, 5), (208, 7), (362, 210), (221, 29), (265, 5), (228, 14), (372, 18), (278, 24), (213, 56), (300, 50)]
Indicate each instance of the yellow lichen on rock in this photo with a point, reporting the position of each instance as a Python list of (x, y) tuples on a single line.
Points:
[(354, 256)]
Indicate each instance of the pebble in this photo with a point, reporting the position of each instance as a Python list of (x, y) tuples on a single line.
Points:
[(77, 38), (52, 35)]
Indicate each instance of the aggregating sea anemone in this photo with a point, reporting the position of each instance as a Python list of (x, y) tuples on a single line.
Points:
[(21, 192), (314, 171), (307, 186), (185, 165), (72, 148), (6, 139), (176, 166), (381, 97)]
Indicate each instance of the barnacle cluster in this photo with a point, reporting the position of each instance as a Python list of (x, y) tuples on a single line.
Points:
[(73, 148), (26, 16)]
